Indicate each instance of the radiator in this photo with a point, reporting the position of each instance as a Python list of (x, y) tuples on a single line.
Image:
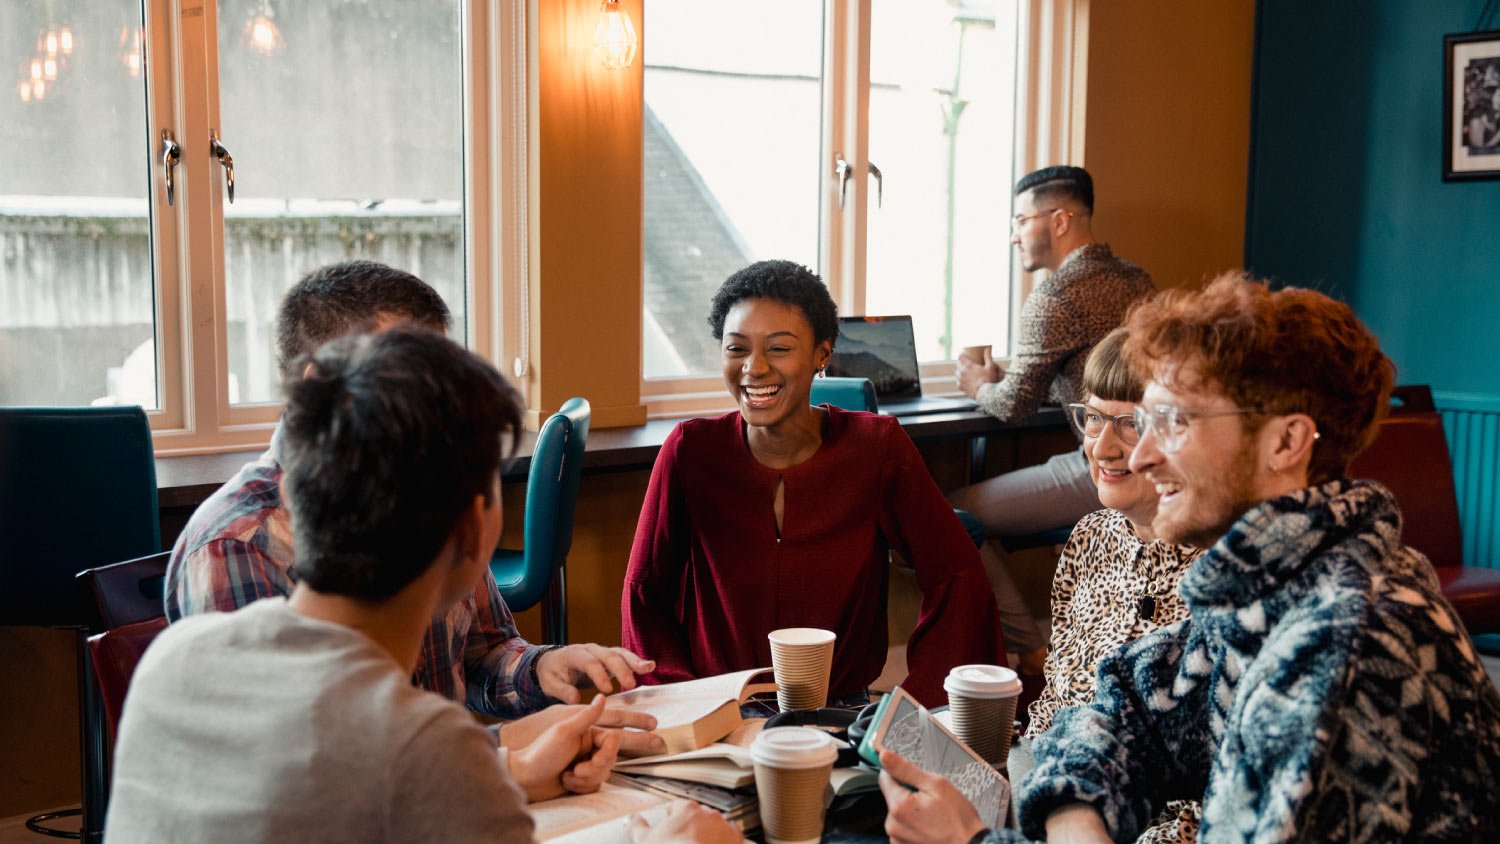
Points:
[(1472, 424)]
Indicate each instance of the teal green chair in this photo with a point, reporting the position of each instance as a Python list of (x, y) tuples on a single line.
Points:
[(528, 576), (845, 393), (77, 490)]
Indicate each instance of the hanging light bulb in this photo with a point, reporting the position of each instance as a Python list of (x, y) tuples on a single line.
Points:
[(52, 42), (49, 69), (614, 36), (36, 69), (25, 90), (65, 40), (38, 89), (261, 33)]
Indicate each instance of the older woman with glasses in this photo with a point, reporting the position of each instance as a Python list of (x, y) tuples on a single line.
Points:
[(1115, 581)]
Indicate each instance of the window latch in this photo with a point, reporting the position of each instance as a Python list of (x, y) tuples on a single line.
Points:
[(844, 171), (171, 154), (221, 153)]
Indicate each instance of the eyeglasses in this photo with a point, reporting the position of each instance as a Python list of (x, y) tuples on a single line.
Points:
[(1091, 422), (1020, 219), (1169, 423)]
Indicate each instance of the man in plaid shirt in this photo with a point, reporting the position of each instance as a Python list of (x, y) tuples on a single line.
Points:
[(237, 548)]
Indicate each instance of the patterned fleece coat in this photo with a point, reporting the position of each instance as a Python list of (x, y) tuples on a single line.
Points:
[(1323, 690)]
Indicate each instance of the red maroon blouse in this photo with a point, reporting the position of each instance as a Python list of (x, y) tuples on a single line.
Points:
[(708, 578)]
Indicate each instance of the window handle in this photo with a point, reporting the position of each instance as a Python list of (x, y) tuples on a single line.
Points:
[(171, 154), (879, 182), (222, 154), (844, 171)]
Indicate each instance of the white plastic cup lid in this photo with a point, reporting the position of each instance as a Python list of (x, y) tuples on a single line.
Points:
[(982, 681), (793, 747), (801, 636)]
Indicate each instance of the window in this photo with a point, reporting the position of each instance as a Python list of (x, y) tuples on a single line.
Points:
[(913, 102), (77, 303), (350, 130)]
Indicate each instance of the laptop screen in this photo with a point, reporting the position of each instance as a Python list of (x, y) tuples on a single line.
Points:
[(882, 349)]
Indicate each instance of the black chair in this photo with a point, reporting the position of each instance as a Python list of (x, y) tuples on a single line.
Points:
[(78, 490), (127, 600)]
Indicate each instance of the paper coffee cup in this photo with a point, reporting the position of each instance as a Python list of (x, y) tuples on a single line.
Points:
[(802, 658), (982, 702), (978, 354), (792, 767)]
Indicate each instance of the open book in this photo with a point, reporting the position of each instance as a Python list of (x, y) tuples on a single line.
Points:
[(695, 713), (718, 764), (589, 815), (601, 817)]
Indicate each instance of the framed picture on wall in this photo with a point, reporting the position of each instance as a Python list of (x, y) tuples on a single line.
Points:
[(1471, 106)]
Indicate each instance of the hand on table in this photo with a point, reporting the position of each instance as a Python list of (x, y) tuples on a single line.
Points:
[(633, 729), (685, 821), (568, 755), (563, 670), (971, 376), (936, 813)]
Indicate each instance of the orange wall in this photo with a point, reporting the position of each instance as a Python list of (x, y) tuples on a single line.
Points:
[(584, 201), (1167, 132)]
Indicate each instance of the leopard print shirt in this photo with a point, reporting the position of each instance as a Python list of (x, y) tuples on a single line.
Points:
[(1063, 318), (1103, 575)]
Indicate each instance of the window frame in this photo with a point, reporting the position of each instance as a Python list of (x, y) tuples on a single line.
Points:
[(1051, 87), (180, 39)]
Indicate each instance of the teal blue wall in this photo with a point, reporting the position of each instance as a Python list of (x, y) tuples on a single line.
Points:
[(1346, 191)]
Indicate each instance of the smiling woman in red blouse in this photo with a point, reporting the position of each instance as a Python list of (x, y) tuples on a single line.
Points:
[(781, 514)]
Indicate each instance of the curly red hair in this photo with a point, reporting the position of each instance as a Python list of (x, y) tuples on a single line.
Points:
[(1283, 351)]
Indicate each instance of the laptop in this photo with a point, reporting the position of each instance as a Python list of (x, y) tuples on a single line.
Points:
[(884, 350)]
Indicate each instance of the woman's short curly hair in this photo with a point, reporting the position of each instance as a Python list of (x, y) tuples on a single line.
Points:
[(1282, 351), (779, 281)]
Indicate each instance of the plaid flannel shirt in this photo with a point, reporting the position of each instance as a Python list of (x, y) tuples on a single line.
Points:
[(237, 548)]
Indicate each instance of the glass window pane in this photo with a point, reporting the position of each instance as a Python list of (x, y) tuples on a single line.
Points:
[(345, 121), (732, 120), (942, 94), (77, 297)]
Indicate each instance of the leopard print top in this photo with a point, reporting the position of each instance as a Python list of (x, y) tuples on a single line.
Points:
[(1110, 589)]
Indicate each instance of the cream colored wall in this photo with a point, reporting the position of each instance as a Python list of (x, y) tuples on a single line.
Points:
[(1167, 132)]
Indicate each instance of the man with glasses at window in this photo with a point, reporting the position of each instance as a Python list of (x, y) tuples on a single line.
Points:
[(1085, 297), (1322, 688)]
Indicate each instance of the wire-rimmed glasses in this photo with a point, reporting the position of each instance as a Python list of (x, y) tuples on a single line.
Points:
[(1169, 423), (1090, 422)]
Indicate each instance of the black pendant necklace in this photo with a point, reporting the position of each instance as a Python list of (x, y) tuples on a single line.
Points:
[(1146, 607)]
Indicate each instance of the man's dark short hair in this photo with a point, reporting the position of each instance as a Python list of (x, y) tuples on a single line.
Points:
[(1072, 183), (779, 281), (386, 441), (350, 297)]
